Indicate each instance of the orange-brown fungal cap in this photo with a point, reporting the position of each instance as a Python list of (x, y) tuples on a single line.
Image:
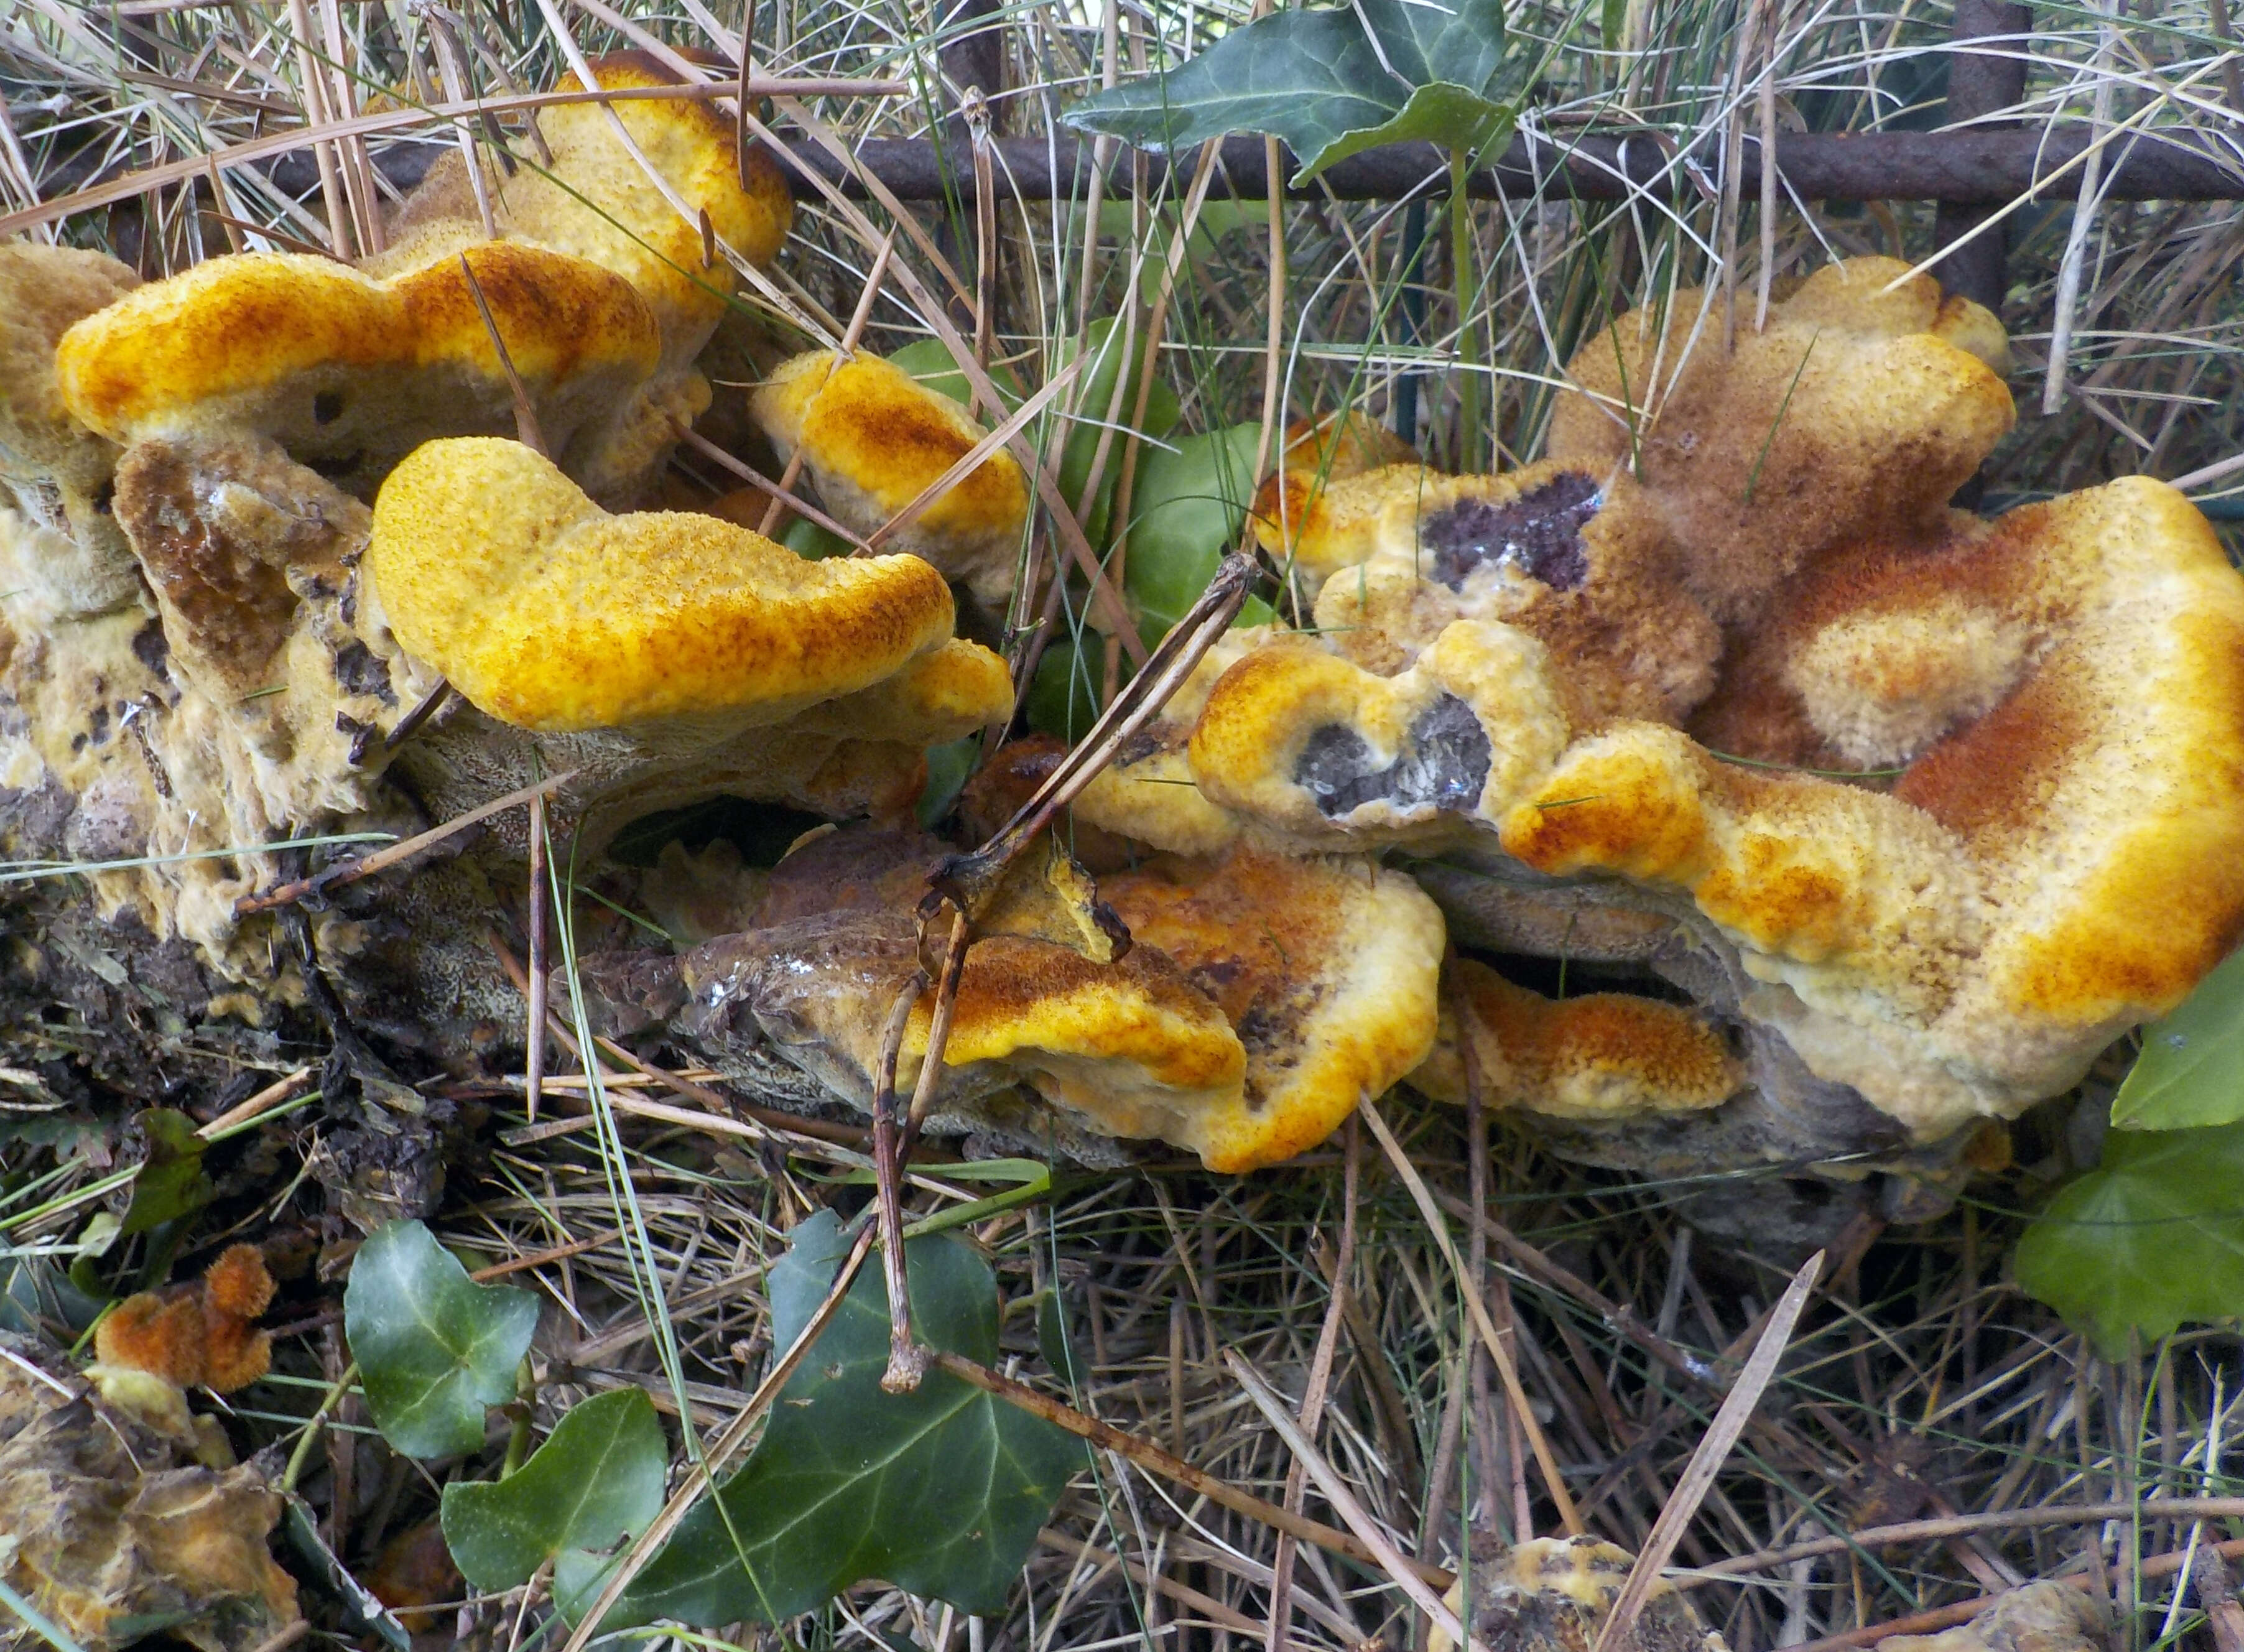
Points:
[(1326, 968), (595, 200), (351, 373), (549, 613), (943, 694), (2056, 700), (872, 438), (1335, 526), (1307, 742), (1602, 1055), (191, 1335), (1320, 454), (1128, 1048), (1129, 1045), (237, 1282), (1855, 410), (690, 141), (1576, 558)]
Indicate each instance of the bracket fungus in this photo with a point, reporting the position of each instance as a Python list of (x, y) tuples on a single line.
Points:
[(873, 439), (1261, 996), (1914, 812), (597, 288)]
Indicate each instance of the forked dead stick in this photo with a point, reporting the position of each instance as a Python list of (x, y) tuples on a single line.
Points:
[(969, 883), (1706, 1462)]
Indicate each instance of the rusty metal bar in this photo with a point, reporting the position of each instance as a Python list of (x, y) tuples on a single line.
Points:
[(1972, 167), (1980, 84)]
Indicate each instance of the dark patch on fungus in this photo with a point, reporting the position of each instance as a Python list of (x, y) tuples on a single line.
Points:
[(1444, 762), (360, 670), (327, 407), (1539, 533), (151, 647)]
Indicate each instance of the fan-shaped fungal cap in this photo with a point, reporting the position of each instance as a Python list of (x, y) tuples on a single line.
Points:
[(595, 201), (872, 438), (1597, 1056), (548, 613), (351, 373), (2061, 856), (1326, 968), (54, 466), (1855, 410)]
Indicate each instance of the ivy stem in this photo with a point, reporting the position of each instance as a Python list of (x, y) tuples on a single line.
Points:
[(519, 1413), (1461, 279), (328, 1401)]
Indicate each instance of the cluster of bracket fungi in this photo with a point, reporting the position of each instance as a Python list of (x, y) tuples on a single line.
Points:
[(1708, 794)]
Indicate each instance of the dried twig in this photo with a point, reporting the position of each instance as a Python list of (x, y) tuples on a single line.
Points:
[(1706, 1462), (367, 865), (1397, 1566)]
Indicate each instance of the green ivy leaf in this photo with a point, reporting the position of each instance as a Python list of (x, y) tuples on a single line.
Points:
[(1329, 83), (170, 1183), (2190, 1072), (434, 1347), (596, 1480), (1091, 396), (1186, 510), (939, 1491), (929, 361), (2152, 1237)]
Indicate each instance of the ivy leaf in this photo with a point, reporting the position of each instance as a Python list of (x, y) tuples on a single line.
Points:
[(2190, 1072), (434, 1347), (939, 1491), (1092, 395), (596, 1480), (2152, 1237), (170, 1183), (1186, 509), (1329, 83)]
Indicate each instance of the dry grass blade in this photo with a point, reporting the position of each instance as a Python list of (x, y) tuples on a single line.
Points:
[(968, 880), (1147, 1455), (1682, 1505), (526, 416), (906, 1364), (1553, 1482), (534, 1030), (1397, 1566), (780, 491), (382, 859), (266, 1099)]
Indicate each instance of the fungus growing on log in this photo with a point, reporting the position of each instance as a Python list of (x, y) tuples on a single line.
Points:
[(597, 289), (1961, 801)]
